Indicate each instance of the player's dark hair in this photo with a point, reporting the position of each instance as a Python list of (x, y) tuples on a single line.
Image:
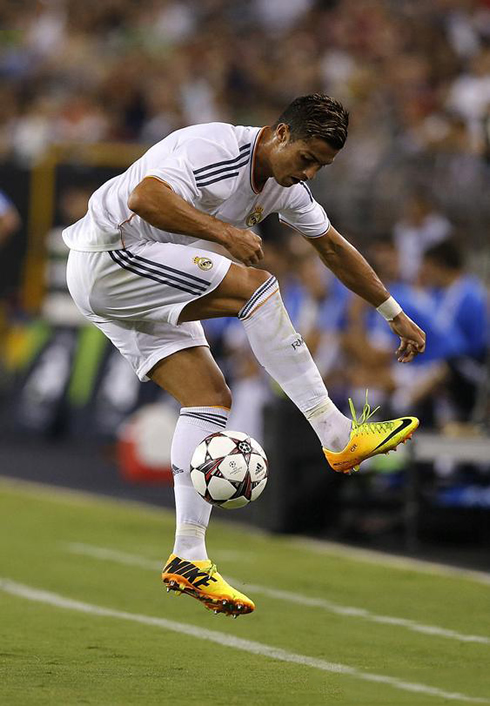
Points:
[(447, 254), (316, 115)]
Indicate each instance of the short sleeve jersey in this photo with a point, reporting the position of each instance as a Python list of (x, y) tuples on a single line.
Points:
[(211, 167)]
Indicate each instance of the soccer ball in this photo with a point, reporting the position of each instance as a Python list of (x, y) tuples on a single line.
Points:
[(229, 469)]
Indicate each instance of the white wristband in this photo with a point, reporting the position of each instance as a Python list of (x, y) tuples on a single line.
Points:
[(389, 309)]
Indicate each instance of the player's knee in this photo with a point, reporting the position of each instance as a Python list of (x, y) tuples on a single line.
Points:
[(214, 393), (211, 395), (222, 397), (255, 279)]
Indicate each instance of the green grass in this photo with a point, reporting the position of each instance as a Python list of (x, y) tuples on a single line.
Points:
[(50, 655)]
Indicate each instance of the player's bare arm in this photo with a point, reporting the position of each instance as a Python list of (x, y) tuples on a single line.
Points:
[(155, 202), (351, 268)]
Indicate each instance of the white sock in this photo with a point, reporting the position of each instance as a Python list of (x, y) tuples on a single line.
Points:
[(192, 512), (285, 356)]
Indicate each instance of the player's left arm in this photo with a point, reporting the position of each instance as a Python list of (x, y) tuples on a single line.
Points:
[(351, 268)]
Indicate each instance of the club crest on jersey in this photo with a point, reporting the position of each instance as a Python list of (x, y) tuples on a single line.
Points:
[(204, 263), (254, 217)]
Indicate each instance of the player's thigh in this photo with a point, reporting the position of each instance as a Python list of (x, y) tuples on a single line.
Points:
[(193, 378), (176, 358), (235, 290), (150, 282)]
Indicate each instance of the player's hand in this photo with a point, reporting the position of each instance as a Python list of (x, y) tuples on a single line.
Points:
[(412, 338), (244, 245)]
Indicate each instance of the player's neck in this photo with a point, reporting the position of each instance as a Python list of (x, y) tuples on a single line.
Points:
[(262, 167)]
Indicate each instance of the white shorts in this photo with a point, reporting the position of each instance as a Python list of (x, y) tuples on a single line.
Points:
[(135, 296)]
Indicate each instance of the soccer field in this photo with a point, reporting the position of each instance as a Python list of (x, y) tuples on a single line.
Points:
[(84, 618)]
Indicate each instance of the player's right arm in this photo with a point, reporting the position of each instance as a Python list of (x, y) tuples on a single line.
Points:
[(155, 202), (351, 268), (348, 265)]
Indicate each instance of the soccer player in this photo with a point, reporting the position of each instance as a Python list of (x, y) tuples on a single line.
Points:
[(142, 268)]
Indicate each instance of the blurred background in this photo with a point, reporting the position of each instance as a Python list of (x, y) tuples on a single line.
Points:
[(85, 88)]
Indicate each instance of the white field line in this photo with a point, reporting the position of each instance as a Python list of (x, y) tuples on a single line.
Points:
[(395, 561), (134, 560), (106, 554), (257, 648), (320, 546)]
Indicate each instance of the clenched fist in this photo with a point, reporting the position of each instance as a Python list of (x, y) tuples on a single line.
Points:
[(244, 245)]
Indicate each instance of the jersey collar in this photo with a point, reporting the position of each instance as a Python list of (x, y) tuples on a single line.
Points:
[(253, 185)]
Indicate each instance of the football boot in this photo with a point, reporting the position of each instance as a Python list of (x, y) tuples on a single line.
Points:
[(369, 439), (201, 580)]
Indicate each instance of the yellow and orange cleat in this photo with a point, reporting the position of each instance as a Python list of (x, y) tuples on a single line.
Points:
[(201, 580), (369, 439)]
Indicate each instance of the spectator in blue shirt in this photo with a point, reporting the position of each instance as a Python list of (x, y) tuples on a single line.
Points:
[(460, 303), (460, 299)]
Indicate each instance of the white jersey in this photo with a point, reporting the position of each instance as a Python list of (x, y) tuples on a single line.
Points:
[(211, 167)]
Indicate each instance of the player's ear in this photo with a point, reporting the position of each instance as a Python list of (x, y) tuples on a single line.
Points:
[(282, 133)]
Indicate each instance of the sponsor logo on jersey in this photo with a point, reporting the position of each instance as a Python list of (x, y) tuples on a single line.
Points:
[(254, 217), (204, 263)]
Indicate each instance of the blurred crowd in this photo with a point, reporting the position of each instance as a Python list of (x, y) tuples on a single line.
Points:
[(415, 76), (410, 187)]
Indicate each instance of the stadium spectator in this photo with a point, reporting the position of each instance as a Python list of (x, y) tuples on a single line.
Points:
[(451, 305), (420, 227), (461, 303)]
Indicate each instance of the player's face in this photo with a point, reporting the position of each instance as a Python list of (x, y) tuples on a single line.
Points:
[(293, 161)]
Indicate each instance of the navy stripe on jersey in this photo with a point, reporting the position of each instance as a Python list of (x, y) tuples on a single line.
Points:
[(200, 179), (228, 175), (268, 285), (152, 274), (307, 189), (166, 269), (219, 421), (243, 149)]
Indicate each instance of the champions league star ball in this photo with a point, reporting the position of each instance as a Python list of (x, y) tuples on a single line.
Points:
[(229, 469)]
